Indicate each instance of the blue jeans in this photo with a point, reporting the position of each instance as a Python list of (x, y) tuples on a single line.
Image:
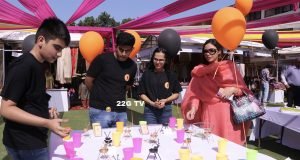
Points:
[(264, 92), (157, 116), (106, 119), (34, 154)]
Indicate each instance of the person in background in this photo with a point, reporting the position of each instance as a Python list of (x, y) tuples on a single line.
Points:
[(291, 79), (265, 84), (206, 99), (24, 98), (83, 93), (158, 88), (108, 78)]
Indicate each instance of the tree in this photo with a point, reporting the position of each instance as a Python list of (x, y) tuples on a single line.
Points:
[(88, 21), (72, 24), (105, 20), (126, 20)]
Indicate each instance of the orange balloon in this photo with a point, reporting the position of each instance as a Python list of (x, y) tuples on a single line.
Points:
[(244, 6), (91, 44), (137, 44), (229, 27)]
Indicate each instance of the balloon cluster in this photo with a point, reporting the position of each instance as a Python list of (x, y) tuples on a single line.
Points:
[(28, 43), (270, 39), (91, 44), (229, 24), (170, 41)]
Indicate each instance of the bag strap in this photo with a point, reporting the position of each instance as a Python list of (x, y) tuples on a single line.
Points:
[(243, 124)]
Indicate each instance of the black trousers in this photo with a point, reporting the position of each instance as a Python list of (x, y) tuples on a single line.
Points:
[(293, 96)]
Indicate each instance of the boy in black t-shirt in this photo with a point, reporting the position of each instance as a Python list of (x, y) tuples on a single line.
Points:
[(107, 79), (25, 101)]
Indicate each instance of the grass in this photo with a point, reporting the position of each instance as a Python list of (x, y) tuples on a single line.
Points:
[(78, 119)]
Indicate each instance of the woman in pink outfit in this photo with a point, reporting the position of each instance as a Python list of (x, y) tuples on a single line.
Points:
[(206, 99)]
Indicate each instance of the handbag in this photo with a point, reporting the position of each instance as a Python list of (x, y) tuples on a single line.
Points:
[(246, 107)]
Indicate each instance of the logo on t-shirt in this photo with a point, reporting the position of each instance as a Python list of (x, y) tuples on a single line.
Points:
[(167, 85), (126, 77)]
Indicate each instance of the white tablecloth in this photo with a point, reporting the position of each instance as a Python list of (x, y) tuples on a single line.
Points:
[(274, 120), (168, 149)]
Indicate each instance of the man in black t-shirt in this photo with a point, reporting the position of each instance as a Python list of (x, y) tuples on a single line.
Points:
[(24, 97), (108, 77)]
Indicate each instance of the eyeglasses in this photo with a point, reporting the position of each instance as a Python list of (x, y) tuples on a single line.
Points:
[(210, 51), (125, 50), (158, 60)]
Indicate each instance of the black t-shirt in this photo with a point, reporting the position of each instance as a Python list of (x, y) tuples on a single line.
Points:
[(26, 86), (159, 85), (111, 77)]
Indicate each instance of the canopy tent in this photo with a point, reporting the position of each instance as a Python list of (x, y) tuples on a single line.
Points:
[(20, 35), (150, 23), (193, 44)]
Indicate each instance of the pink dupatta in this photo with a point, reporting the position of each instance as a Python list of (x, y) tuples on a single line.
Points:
[(205, 83)]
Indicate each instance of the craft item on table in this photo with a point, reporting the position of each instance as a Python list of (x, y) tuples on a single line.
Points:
[(97, 129), (196, 157), (187, 143), (69, 148), (221, 156), (180, 135), (136, 158), (120, 126), (144, 128), (251, 154), (76, 139), (137, 144), (202, 130), (165, 129), (67, 130), (153, 152), (179, 123), (127, 131), (116, 158), (184, 154), (172, 122), (103, 152), (107, 139), (153, 137), (128, 153), (116, 139), (290, 110), (222, 146), (86, 131)]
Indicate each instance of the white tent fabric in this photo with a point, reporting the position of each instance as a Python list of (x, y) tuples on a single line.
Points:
[(17, 35)]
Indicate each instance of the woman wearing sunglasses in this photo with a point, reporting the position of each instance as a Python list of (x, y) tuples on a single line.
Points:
[(206, 99), (158, 88)]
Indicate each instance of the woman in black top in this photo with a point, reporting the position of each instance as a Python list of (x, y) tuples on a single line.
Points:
[(158, 88)]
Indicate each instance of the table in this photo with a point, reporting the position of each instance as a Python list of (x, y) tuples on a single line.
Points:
[(285, 125), (168, 149)]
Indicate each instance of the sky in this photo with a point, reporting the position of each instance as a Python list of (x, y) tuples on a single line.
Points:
[(121, 9)]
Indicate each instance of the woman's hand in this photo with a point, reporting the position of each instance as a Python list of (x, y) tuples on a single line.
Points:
[(190, 115), (227, 92)]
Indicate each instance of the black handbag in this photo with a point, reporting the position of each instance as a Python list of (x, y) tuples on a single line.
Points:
[(246, 107)]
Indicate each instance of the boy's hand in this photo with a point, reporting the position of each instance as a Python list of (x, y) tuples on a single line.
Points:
[(53, 113)]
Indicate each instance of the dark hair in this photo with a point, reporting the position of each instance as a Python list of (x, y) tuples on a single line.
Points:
[(268, 66), (167, 63), (125, 39), (216, 44), (53, 28)]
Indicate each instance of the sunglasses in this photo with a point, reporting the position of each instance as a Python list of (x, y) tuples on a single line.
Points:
[(210, 51)]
